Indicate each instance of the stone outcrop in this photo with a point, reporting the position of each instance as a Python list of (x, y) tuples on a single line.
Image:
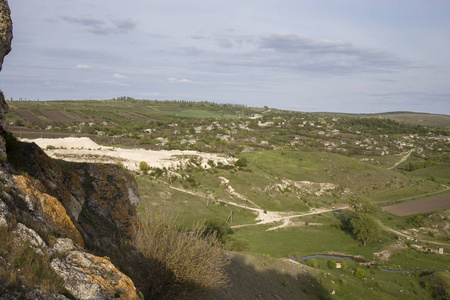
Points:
[(87, 276), (5, 47), (5, 30), (91, 206), (48, 209)]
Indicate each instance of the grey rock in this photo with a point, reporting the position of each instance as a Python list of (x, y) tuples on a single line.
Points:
[(63, 245), (24, 234), (6, 34), (87, 276), (4, 212)]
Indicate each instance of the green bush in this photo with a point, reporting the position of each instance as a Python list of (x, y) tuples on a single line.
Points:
[(242, 163), (359, 273), (312, 262), (143, 166), (331, 264), (219, 227)]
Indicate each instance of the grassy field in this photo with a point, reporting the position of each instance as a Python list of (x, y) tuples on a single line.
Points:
[(262, 183), (440, 173), (412, 118)]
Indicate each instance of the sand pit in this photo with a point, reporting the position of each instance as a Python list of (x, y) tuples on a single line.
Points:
[(68, 143), (86, 150)]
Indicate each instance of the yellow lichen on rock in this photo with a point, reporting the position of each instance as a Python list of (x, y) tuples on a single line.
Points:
[(91, 277), (53, 212)]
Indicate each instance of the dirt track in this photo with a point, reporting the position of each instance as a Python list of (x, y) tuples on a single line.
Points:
[(420, 206)]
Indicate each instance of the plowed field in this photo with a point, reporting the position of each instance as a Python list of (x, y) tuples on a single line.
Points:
[(57, 116), (420, 206), (132, 116), (27, 115)]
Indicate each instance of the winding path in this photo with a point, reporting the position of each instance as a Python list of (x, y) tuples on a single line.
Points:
[(266, 217), (404, 158)]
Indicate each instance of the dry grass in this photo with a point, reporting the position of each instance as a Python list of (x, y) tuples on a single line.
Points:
[(177, 260)]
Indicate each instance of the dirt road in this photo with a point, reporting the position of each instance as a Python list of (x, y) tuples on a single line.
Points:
[(404, 158)]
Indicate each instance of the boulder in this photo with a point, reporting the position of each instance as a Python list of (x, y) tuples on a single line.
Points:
[(91, 277)]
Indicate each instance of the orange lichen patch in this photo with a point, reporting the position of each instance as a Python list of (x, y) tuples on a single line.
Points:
[(52, 210), (112, 196)]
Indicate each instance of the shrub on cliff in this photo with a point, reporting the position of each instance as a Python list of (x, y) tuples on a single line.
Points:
[(179, 261)]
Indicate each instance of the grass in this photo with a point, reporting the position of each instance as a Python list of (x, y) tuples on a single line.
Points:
[(178, 261), (267, 169), (22, 268), (410, 259), (362, 179), (309, 240), (188, 208), (439, 173), (374, 285)]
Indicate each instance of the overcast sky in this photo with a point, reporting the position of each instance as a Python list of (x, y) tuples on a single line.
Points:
[(337, 56)]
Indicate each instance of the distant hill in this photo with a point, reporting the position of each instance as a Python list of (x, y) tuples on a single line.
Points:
[(413, 118)]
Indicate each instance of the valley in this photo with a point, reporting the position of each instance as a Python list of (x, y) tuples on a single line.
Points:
[(285, 184)]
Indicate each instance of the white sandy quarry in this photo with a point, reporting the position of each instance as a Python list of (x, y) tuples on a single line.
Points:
[(85, 150)]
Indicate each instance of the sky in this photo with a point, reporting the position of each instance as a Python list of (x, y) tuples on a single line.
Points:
[(356, 56)]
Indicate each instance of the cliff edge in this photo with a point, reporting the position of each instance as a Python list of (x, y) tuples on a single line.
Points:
[(58, 220)]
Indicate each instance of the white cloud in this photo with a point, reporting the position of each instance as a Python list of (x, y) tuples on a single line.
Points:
[(172, 79), (119, 76), (113, 82), (83, 67)]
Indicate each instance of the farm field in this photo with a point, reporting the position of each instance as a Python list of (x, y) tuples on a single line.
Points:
[(420, 206), (132, 116), (57, 116), (27, 115)]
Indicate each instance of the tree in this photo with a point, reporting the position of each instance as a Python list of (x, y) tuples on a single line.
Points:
[(364, 227), (242, 162), (217, 226), (363, 206)]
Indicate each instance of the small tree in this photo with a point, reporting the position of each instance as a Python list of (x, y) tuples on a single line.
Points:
[(219, 227), (331, 264), (242, 162), (359, 273), (364, 227), (363, 206)]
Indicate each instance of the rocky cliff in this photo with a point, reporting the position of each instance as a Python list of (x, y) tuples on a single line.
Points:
[(5, 47), (58, 220)]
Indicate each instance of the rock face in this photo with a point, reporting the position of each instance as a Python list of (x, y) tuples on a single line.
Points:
[(5, 47), (5, 30), (91, 206), (65, 213)]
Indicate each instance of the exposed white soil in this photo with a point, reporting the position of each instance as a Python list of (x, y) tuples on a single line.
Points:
[(86, 150)]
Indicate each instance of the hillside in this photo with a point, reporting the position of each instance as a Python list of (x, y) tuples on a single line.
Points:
[(423, 119)]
